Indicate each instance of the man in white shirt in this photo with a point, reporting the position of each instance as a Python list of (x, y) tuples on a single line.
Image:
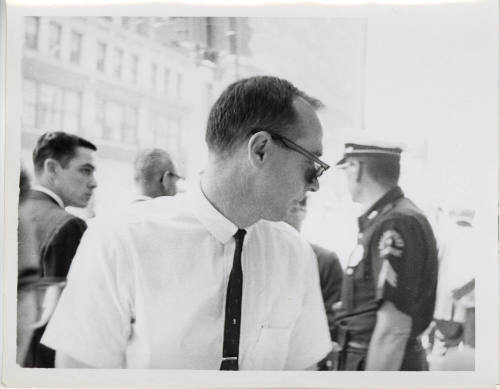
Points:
[(64, 176), (149, 289), (155, 174)]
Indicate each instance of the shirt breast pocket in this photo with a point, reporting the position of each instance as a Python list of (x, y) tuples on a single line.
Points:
[(271, 349)]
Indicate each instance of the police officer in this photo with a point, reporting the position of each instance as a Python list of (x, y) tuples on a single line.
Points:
[(389, 284)]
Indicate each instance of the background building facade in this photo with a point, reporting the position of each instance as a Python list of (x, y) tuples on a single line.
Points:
[(127, 83)]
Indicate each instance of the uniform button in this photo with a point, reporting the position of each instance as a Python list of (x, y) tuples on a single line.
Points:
[(349, 271), (360, 235)]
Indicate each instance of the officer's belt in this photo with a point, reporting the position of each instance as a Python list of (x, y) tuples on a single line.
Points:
[(362, 318), (357, 345), (356, 338), (356, 313)]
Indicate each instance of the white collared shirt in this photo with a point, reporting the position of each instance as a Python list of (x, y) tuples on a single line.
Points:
[(147, 290), (50, 193)]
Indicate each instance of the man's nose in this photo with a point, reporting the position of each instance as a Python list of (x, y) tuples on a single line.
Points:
[(92, 183)]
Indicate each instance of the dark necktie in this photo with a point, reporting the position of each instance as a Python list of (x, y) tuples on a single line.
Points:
[(232, 320)]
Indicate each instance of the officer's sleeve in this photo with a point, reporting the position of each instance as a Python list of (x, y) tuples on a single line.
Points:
[(400, 251), (92, 321), (310, 338), (62, 247)]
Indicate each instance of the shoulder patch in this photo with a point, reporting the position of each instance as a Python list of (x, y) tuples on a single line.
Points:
[(391, 244)]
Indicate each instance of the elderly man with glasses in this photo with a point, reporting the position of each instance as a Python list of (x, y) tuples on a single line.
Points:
[(155, 174), (209, 279)]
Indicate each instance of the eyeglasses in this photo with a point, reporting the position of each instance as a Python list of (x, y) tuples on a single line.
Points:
[(319, 166)]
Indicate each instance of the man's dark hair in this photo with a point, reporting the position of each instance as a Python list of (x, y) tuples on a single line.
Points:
[(58, 145), (261, 102), (383, 169)]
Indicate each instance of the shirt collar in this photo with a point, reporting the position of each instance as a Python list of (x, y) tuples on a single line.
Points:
[(214, 221), (378, 206), (48, 192)]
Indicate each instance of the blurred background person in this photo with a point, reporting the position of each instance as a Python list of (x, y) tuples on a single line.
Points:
[(330, 272), (64, 175), (155, 174), (453, 339), (29, 274), (389, 285)]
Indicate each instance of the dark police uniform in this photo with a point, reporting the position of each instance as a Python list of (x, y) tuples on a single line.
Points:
[(395, 260)]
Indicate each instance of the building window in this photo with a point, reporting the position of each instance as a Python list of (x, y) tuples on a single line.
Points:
[(118, 63), (113, 121), (210, 32), (178, 86), (166, 81), (116, 122), (50, 107), (29, 103), (134, 64), (154, 76), (167, 133), (76, 48), (99, 117), (129, 133), (101, 56), (126, 22), (232, 36), (71, 111), (55, 32), (144, 27), (162, 132), (32, 25)]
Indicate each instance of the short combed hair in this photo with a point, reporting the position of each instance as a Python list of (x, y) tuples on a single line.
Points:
[(149, 162), (58, 145), (261, 102), (383, 169)]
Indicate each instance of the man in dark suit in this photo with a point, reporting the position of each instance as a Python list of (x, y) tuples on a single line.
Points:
[(64, 175), (330, 272)]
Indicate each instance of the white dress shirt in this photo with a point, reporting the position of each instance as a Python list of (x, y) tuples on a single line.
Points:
[(50, 193), (456, 267), (147, 290)]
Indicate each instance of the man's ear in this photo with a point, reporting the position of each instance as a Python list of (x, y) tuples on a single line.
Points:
[(258, 148), (51, 166), (358, 169), (165, 180)]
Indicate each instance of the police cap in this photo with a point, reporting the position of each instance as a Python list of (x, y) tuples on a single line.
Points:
[(372, 149)]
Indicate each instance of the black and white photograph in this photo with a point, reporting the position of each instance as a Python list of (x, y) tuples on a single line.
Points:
[(218, 195)]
